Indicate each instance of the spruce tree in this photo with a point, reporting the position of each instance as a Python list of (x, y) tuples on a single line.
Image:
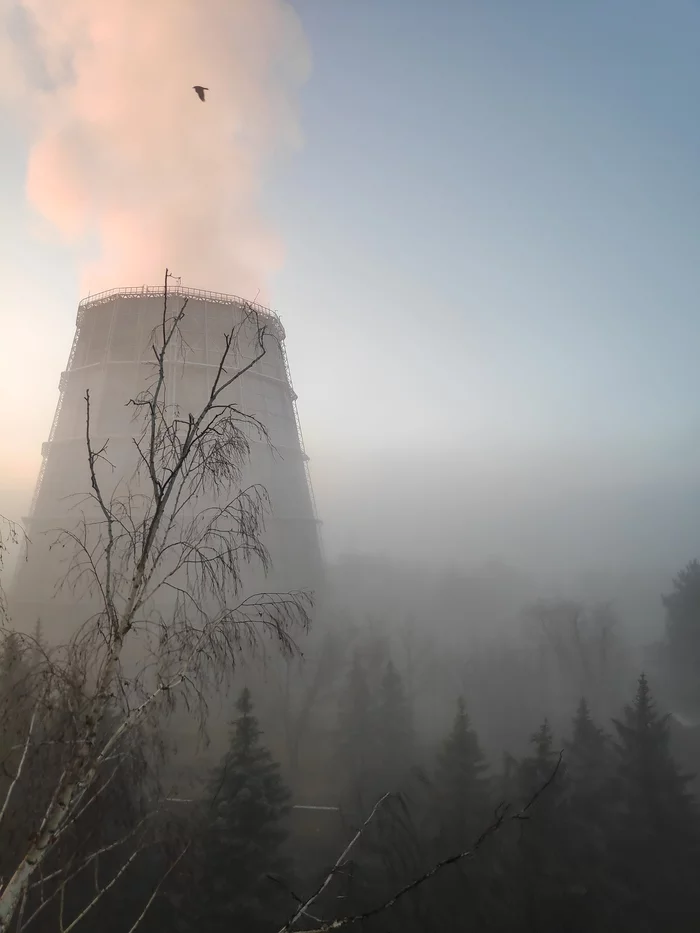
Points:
[(656, 834), (460, 780), (39, 646), (682, 607), (394, 729), (655, 792), (356, 739), (16, 697), (12, 665), (541, 880), (589, 761), (247, 803), (460, 896), (590, 768), (540, 774), (537, 769)]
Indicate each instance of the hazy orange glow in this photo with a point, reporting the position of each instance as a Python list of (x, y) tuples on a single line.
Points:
[(122, 149)]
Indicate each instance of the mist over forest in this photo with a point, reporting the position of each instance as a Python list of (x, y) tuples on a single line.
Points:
[(486, 714), (349, 473), (498, 748)]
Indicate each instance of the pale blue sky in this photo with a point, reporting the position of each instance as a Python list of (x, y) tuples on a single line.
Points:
[(511, 191), (493, 245)]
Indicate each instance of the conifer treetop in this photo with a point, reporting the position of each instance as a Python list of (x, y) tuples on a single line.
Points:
[(244, 703), (244, 831), (642, 715), (461, 754), (585, 732), (543, 740)]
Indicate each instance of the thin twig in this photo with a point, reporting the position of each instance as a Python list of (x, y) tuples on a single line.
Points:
[(23, 759), (303, 909), (157, 888), (294, 896), (502, 816)]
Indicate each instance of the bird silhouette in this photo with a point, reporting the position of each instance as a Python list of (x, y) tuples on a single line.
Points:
[(200, 90)]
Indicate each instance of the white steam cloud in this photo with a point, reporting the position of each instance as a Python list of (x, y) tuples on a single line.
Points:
[(124, 156)]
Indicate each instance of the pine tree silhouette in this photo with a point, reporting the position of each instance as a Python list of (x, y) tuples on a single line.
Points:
[(538, 768), (39, 647), (590, 769), (394, 726), (541, 878), (589, 758), (656, 834), (12, 666), (356, 737), (682, 607), (17, 695), (460, 898), (460, 780), (655, 792), (247, 802)]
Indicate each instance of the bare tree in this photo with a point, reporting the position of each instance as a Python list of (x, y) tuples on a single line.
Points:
[(159, 558), (584, 643)]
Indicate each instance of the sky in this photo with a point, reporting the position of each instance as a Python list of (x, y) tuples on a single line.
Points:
[(480, 224)]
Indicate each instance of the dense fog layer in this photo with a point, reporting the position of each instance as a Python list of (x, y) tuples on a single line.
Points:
[(476, 705)]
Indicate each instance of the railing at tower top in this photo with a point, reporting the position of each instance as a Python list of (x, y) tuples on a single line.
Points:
[(157, 291), (180, 291)]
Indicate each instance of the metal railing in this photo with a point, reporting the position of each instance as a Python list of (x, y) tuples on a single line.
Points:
[(179, 291)]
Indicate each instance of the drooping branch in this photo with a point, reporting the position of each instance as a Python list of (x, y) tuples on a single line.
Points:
[(303, 909), (154, 894), (22, 762), (502, 816)]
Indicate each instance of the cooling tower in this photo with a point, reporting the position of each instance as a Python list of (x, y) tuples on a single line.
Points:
[(112, 357)]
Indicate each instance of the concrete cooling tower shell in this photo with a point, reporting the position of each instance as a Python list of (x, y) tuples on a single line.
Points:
[(112, 357)]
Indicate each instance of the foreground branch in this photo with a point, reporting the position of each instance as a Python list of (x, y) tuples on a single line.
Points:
[(502, 816), (303, 909), (157, 888), (22, 761)]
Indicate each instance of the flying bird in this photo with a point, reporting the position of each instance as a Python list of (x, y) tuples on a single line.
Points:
[(200, 90)]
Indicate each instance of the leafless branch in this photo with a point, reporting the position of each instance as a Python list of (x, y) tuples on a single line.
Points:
[(304, 908), (157, 888), (502, 815), (69, 872), (22, 762), (159, 558), (294, 896), (99, 895)]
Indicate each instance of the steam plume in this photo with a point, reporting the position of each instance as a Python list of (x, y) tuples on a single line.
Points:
[(124, 156)]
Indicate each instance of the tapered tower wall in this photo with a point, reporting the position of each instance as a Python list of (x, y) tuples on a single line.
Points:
[(112, 359)]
